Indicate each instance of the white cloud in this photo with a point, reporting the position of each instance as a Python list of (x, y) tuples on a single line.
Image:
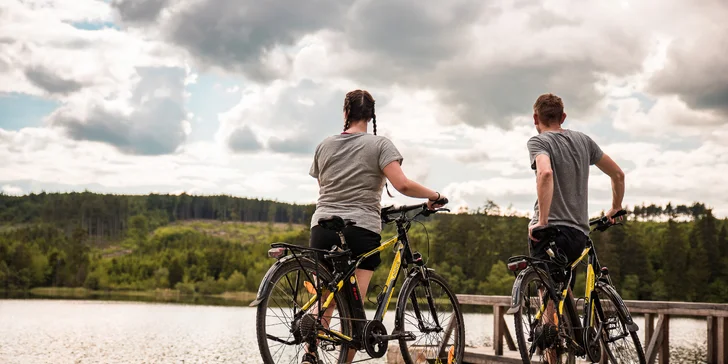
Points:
[(12, 190), (454, 85)]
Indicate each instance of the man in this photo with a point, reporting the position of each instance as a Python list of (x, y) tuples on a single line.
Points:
[(561, 159)]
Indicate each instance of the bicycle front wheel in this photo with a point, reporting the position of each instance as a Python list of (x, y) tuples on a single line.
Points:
[(281, 324), (429, 311), (540, 340), (621, 345)]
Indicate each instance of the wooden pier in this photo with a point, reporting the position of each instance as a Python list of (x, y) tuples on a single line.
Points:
[(656, 330)]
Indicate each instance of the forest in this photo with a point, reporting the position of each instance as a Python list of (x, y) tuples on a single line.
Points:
[(119, 242)]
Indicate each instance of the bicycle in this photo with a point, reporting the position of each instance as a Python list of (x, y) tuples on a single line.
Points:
[(417, 307), (596, 336)]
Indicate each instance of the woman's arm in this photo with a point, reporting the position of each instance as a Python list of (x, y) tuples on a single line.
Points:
[(393, 172)]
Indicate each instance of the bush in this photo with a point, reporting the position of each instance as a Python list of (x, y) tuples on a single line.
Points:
[(185, 287)]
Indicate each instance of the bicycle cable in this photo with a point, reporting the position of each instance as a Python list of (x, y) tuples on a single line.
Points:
[(427, 234)]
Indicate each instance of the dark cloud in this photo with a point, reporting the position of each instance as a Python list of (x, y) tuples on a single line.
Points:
[(139, 11), (236, 35), (445, 47), (154, 127), (431, 49), (413, 32), (697, 71), (294, 145), (50, 81), (242, 139)]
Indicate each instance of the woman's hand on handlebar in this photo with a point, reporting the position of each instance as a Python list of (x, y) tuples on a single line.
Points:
[(436, 201)]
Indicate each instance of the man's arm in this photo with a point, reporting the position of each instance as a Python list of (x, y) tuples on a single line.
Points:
[(611, 169), (544, 187)]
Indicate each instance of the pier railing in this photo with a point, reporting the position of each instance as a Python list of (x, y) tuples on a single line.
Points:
[(657, 336)]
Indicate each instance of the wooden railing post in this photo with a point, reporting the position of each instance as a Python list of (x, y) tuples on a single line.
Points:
[(649, 327), (712, 339), (665, 348), (497, 330), (722, 340)]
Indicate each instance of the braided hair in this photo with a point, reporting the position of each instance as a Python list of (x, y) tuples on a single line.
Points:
[(359, 105)]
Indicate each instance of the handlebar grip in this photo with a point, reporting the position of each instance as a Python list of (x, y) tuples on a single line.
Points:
[(619, 214), (443, 201)]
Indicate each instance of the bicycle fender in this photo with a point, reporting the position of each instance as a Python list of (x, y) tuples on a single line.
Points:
[(516, 290), (265, 282)]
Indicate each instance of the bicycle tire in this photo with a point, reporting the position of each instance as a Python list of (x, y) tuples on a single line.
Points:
[(530, 275), (280, 272), (623, 314), (408, 287)]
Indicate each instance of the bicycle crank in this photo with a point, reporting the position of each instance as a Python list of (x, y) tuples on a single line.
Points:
[(593, 346), (375, 339)]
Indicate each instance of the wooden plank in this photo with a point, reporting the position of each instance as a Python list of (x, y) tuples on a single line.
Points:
[(498, 330), (478, 300), (655, 341), (649, 326), (665, 307), (679, 308), (712, 340), (446, 337), (665, 347), (722, 341), (507, 335)]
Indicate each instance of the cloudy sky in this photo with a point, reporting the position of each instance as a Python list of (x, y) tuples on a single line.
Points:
[(223, 96)]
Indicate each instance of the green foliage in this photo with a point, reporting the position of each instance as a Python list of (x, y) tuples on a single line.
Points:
[(56, 244), (499, 281)]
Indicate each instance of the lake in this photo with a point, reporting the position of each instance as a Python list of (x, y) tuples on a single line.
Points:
[(89, 331)]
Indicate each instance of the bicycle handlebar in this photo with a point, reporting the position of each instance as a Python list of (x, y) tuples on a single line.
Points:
[(391, 210), (603, 223)]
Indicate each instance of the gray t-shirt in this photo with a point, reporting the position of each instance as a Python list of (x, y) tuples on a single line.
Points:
[(571, 153), (349, 169)]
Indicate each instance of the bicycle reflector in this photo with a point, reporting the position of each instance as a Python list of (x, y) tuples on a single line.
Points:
[(277, 253), (517, 265)]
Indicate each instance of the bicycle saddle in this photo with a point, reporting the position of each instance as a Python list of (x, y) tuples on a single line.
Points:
[(335, 223), (545, 232)]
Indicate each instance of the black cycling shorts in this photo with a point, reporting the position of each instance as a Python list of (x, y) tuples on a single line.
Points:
[(570, 242), (358, 239)]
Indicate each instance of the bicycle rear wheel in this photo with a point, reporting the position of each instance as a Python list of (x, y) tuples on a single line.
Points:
[(537, 339), (280, 323), (429, 310), (621, 345)]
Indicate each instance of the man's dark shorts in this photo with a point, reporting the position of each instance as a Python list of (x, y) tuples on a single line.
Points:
[(358, 239), (570, 242)]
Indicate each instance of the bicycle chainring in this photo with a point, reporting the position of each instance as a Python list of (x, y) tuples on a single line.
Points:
[(374, 345), (593, 345)]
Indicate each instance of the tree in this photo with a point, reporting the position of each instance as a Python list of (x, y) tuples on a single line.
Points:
[(176, 272)]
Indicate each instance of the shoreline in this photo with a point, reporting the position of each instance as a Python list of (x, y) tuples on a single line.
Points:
[(157, 295)]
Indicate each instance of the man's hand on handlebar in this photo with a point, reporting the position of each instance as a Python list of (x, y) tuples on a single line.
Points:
[(613, 212)]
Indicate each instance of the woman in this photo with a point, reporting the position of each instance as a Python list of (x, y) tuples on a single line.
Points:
[(351, 168)]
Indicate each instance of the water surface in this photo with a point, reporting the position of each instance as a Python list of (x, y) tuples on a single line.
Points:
[(84, 331)]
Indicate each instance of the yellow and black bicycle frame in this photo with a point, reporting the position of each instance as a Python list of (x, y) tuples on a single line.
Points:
[(591, 299), (350, 288)]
